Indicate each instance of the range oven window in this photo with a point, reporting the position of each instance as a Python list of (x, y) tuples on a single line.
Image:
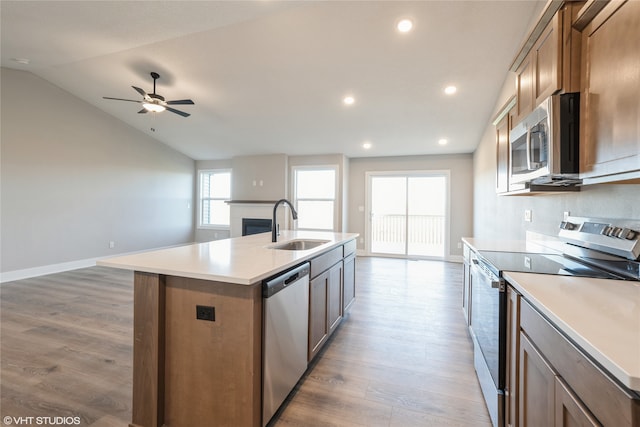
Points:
[(487, 325)]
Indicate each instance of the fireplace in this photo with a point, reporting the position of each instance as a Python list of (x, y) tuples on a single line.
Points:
[(255, 226)]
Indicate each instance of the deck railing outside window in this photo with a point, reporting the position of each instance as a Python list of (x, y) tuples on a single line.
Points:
[(425, 234)]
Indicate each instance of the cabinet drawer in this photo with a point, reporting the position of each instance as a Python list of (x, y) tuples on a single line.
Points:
[(325, 261), (349, 248), (608, 402)]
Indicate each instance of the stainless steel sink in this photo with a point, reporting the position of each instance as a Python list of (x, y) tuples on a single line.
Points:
[(298, 245)]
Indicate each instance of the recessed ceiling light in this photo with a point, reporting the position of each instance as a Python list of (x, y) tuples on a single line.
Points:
[(443, 141), (404, 25), (450, 90), (348, 100), (366, 145)]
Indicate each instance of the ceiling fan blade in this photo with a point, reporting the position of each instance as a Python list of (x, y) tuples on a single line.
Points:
[(120, 99), (140, 91), (181, 113), (143, 111), (180, 102)]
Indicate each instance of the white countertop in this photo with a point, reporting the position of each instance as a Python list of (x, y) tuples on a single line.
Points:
[(602, 316), (241, 260)]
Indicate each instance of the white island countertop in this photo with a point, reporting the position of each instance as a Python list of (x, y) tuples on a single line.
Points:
[(240, 260), (602, 316)]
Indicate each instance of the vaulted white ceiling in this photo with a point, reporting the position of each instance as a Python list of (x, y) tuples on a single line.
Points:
[(269, 76)]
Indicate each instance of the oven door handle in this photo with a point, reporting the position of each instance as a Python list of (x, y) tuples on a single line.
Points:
[(495, 284), (528, 147)]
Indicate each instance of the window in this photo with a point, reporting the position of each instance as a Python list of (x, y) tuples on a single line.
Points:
[(315, 197), (214, 190)]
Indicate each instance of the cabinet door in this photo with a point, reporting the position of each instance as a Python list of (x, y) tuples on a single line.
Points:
[(466, 292), (334, 297), (548, 60), (524, 88), (536, 387), (610, 111), (318, 325), (349, 283), (502, 155), (570, 412), (513, 354)]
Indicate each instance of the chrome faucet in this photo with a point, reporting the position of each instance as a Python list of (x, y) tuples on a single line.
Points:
[(274, 226)]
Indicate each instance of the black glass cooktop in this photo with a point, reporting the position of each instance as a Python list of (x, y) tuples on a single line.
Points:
[(542, 264)]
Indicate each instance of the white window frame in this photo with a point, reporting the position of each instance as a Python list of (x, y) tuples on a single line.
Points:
[(200, 199), (446, 173), (335, 200)]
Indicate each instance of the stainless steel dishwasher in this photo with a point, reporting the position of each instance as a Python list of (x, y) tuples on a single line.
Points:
[(284, 336)]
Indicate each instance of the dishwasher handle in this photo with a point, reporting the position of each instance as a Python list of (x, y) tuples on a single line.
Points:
[(291, 278), (277, 283)]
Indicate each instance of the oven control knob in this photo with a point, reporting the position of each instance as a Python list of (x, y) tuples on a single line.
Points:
[(566, 225), (606, 231), (628, 234), (615, 231)]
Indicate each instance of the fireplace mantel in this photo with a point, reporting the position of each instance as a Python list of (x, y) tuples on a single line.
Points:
[(256, 209)]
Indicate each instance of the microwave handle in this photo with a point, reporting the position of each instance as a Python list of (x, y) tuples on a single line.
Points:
[(528, 147)]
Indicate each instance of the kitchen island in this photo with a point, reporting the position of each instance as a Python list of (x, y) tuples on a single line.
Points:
[(205, 368)]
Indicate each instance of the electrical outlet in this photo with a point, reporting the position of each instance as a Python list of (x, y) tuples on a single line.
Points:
[(459, 245), (204, 312), (527, 215), (566, 215), (112, 244)]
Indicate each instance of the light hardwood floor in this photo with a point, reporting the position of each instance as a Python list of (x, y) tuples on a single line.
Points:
[(402, 357)]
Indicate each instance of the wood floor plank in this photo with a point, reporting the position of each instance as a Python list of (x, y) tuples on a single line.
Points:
[(404, 348), (402, 357)]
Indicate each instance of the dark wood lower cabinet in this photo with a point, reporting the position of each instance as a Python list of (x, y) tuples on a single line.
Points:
[(349, 283), (570, 411), (553, 383), (318, 324), (332, 291), (513, 360), (537, 387), (334, 296)]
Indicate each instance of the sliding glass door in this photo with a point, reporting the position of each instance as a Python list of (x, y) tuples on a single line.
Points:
[(408, 214)]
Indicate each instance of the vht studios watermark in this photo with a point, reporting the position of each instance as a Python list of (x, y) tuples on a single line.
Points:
[(40, 421)]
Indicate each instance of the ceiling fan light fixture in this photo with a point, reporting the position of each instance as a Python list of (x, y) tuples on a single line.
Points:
[(154, 108)]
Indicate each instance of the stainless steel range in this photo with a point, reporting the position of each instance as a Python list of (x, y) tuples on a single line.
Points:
[(586, 247)]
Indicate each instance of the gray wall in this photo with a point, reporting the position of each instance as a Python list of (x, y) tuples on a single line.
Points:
[(268, 172), (503, 216), (460, 167), (74, 178)]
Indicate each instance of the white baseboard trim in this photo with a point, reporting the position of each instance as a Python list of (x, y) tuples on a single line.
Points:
[(27, 273)]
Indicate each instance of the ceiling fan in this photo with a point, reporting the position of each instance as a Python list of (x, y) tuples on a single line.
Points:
[(152, 102)]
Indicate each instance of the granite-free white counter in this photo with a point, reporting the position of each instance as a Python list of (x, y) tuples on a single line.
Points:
[(602, 316), (240, 260)]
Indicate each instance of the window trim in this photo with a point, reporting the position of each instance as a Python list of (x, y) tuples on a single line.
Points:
[(199, 224), (336, 193)]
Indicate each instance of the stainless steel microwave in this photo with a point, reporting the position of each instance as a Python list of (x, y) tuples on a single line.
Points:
[(544, 146)]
